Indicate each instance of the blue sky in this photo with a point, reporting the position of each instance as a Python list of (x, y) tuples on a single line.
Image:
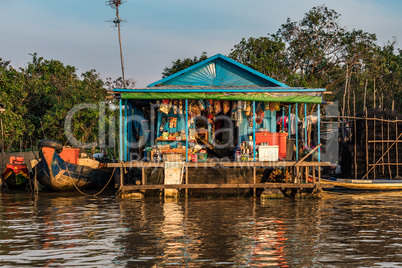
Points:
[(158, 32)]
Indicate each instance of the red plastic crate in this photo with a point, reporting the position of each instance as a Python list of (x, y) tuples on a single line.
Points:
[(265, 136)]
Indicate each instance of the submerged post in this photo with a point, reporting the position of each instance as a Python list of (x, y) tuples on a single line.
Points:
[(186, 130), (121, 131), (319, 131), (254, 151)]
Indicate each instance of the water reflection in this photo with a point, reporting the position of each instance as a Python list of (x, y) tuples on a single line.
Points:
[(341, 230)]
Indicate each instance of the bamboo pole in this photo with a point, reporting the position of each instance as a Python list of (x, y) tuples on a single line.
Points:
[(365, 94), (374, 147), (382, 156), (298, 163), (377, 141), (355, 137), (367, 161), (346, 88), (392, 164), (389, 161), (382, 146), (396, 149)]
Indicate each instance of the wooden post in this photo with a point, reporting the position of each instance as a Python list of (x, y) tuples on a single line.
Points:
[(373, 167), (355, 137), (306, 175), (186, 182), (382, 145), (367, 160), (389, 161), (254, 181), (319, 174), (396, 148), (143, 177), (121, 176), (313, 168), (374, 145)]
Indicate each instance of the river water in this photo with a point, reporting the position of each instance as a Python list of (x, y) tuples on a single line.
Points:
[(340, 230)]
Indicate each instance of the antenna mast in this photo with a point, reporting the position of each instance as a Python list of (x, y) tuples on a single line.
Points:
[(115, 5)]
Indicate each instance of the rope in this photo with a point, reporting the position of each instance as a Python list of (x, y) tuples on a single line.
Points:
[(81, 192)]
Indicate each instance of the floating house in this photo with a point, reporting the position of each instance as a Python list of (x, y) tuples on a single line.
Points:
[(221, 117)]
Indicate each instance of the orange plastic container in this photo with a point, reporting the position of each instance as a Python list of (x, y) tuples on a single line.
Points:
[(16, 160), (273, 138), (265, 136), (261, 136), (70, 155), (282, 144)]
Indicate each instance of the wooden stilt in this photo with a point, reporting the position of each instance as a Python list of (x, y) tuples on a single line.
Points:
[(254, 181), (314, 179), (143, 182), (319, 174), (306, 175), (121, 177), (186, 182)]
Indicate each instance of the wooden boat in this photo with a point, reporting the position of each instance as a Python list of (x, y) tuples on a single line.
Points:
[(16, 174), (364, 185), (67, 172)]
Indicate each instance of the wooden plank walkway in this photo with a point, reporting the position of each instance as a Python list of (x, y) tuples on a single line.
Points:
[(292, 171), (226, 186), (142, 164)]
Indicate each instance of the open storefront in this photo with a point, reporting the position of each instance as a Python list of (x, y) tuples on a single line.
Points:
[(217, 111)]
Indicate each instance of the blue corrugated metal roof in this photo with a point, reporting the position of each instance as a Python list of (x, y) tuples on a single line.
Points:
[(218, 71)]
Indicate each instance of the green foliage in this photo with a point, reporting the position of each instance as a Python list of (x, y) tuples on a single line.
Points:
[(317, 52), (39, 97)]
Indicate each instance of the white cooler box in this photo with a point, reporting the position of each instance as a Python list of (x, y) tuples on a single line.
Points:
[(268, 153)]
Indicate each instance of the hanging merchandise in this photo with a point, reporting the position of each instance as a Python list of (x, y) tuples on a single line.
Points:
[(259, 115), (240, 105), (163, 123), (201, 105), (175, 108), (250, 120), (274, 106), (239, 113), (172, 122), (234, 113), (195, 108), (226, 106), (180, 106), (266, 104), (210, 118), (164, 107), (217, 107), (247, 108), (210, 107)]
